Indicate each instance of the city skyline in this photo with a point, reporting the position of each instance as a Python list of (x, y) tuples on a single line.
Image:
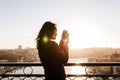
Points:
[(90, 23)]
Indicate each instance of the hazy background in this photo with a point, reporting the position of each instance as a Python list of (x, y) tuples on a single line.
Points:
[(91, 23)]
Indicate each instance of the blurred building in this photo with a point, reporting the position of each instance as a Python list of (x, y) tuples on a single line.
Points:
[(19, 47)]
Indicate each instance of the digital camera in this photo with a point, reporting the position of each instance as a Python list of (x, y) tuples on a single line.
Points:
[(65, 34)]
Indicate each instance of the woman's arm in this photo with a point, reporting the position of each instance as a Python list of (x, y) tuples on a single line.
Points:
[(57, 54), (64, 42)]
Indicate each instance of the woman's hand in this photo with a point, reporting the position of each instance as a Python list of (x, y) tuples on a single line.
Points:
[(64, 40), (65, 37)]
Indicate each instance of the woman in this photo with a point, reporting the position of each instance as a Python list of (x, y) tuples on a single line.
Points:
[(52, 55)]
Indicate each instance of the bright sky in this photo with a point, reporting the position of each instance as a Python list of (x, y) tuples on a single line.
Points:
[(90, 23)]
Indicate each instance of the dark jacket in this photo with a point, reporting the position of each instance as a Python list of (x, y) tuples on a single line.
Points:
[(53, 59)]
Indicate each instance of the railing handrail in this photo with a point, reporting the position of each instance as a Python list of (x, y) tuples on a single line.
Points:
[(68, 75), (68, 64)]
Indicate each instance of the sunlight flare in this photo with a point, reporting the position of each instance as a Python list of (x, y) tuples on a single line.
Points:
[(77, 70)]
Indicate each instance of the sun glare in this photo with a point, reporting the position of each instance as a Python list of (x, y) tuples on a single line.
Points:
[(81, 37), (77, 70)]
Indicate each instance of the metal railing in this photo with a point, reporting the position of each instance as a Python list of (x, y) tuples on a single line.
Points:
[(92, 71)]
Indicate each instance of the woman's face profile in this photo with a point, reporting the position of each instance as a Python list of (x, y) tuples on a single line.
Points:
[(54, 34)]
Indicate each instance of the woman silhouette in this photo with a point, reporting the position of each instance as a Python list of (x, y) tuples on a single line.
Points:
[(52, 55)]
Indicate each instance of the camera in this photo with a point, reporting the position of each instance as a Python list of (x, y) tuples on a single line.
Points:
[(65, 34)]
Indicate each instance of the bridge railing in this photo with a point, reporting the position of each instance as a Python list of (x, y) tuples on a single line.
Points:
[(92, 71)]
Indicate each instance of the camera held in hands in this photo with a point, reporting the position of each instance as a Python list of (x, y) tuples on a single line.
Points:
[(65, 34), (65, 37)]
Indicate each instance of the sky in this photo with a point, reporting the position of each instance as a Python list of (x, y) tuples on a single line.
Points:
[(90, 23)]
